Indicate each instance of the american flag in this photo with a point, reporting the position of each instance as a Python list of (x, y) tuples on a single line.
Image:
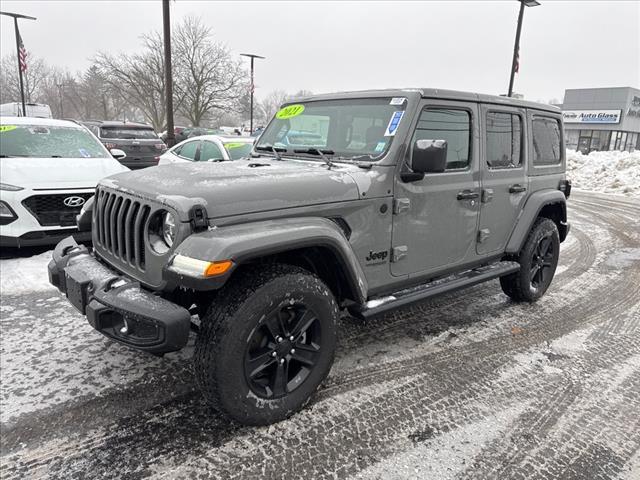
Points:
[(517, 65), (22, 54)]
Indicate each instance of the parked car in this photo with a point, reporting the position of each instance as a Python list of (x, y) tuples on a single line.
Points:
[(208, 148), (177, 133), (50, 169), (14, 109), (139, 141), (404, 195)]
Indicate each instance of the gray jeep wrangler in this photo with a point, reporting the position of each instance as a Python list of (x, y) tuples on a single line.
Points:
[(361, 202)]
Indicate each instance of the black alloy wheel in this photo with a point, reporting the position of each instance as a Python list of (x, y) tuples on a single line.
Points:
[(542, 262), (282, 351)]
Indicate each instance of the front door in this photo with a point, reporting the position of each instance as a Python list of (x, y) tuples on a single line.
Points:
[(436, 218), (504, 182)]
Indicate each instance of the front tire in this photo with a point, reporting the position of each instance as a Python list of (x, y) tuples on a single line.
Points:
[(266, 343), (538, 260)]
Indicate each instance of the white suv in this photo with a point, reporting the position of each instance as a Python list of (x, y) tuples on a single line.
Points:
[(49, 170)]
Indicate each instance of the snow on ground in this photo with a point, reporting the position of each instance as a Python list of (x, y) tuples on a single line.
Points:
[(22, 275), (608, 172)]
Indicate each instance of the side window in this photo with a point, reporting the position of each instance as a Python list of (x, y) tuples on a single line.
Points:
[(504, 139), (451, 125), (546, 141), (210, 151), (188, 150)]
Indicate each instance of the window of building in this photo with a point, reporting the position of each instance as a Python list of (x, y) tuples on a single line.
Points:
[(504, 139), (451, 125), (546, 141)]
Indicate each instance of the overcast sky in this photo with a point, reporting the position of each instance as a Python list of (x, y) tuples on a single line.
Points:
[(324, 46)]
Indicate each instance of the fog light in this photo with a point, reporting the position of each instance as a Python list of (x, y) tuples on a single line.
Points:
[(7, 215)]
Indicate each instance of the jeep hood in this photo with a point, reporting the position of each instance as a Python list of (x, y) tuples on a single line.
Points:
[(240, 187)]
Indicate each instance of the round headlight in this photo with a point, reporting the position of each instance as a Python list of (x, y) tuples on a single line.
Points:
[(169, 228)]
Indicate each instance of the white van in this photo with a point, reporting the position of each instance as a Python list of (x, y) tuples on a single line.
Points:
[(14, 109)]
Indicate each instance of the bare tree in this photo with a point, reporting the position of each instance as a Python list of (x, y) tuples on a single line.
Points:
[(139, 78), (206, 76), (36, 71), (272, 102)]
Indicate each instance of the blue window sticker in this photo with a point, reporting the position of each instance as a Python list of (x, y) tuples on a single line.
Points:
[(392, 128), (84, 153), (380, 146)]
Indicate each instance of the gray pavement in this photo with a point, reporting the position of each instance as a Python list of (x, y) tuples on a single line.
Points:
[(470, 385)]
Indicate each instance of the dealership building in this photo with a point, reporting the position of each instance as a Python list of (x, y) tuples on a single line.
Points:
[(602, 119)]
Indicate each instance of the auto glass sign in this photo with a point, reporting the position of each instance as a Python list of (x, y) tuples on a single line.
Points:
[(591, 116)]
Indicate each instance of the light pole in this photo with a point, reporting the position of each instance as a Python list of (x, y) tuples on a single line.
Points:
[(516, 48), (61, 96), (252, 57), (20, 50), (168, 79)]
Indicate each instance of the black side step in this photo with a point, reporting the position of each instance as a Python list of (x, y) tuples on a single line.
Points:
[(436, 287)]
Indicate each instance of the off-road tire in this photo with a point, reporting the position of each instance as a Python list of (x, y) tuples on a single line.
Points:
[(236, 314), (519, 286)]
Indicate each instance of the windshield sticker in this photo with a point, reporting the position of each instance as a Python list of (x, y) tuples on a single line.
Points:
[(380, 146), (397, 101), (290, 111), (7, 128), (392, 128), (229, 146), (84, 153)]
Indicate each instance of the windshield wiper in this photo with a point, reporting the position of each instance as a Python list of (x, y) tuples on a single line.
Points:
[(321, 153), (270, 148)]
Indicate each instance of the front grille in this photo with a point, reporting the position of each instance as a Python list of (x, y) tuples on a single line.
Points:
[(50, 210), (119, 224)]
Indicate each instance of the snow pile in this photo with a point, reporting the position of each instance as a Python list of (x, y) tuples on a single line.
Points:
[(609, 172), (24, 275)]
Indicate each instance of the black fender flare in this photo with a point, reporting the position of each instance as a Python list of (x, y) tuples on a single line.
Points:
[(248, 241), (532, 208)]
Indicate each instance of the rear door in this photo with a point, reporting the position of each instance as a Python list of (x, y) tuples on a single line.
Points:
[(435, 219), (504, 180)]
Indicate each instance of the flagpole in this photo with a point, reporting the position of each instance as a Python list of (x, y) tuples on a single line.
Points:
[(16, 16), (24, 106), (515, 62)]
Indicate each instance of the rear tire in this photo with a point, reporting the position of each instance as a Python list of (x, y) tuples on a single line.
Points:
[(266, 343), (538, 260)]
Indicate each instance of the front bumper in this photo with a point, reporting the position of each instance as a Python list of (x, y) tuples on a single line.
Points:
[(116, 306)]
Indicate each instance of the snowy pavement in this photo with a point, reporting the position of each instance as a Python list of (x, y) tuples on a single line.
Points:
[(469, 385)]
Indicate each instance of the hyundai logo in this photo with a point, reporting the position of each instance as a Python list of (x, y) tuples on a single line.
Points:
[(73, 201)]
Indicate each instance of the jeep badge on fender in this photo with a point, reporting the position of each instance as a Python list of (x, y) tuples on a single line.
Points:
[(265, 254)]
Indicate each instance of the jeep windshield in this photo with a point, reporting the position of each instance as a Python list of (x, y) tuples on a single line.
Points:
[(49, 142), (358, 129)]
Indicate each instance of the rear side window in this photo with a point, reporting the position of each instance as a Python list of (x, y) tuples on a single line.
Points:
[(128, 133), (546, 141), (188, 150), (210, 151), (504, 140), (451, 125)]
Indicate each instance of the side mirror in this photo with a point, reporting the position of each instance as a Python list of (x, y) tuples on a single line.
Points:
[(429, 156), (117, 153)]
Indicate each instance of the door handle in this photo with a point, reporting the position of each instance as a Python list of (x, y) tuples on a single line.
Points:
[(467, 195), (517, 188)]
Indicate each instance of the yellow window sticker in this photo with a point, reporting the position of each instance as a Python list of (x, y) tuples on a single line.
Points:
[(7, 128), (229, 146), (290, 111)]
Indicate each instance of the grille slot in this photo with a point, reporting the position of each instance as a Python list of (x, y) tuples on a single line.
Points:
[(120, 223), (50, 210)]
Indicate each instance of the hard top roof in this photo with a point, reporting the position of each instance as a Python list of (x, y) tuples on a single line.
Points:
[(434, 93)]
